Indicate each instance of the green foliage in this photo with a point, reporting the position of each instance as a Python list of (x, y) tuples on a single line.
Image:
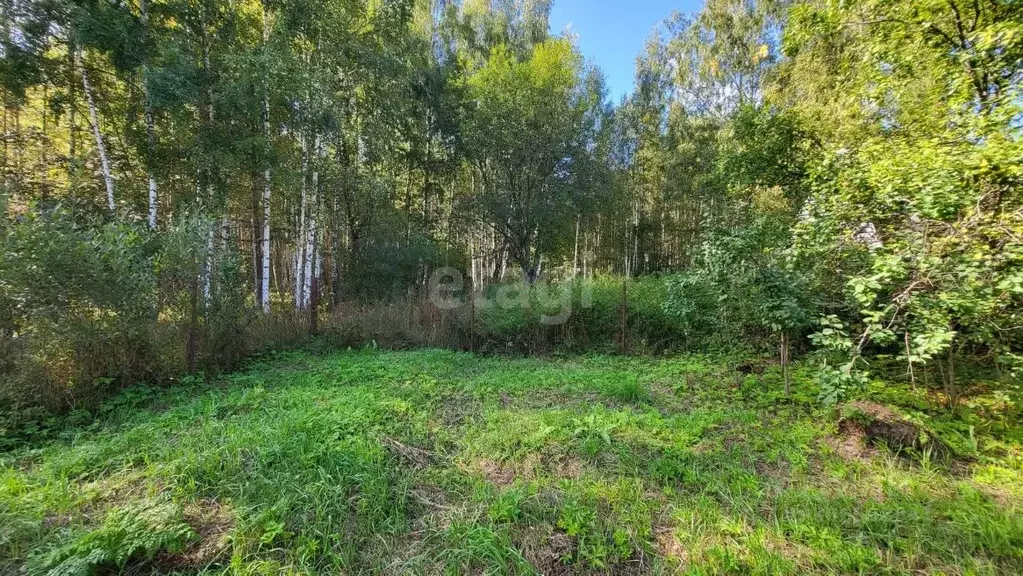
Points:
[(777, 162), (528, 127), (89, 308), (77, 303), (131, 533), (739, 291), (835, 346), (915, 196), (744, 283), (581, 316), (435, 461)]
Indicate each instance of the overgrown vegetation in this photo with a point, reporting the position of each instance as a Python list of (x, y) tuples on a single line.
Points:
[(434, 461), (762, 315), (187, 183)]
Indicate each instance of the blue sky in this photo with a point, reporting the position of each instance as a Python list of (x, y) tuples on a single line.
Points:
[(613, 32)]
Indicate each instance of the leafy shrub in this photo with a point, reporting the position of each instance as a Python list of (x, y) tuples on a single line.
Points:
[(79, 307), (593, 321), (87, 308)]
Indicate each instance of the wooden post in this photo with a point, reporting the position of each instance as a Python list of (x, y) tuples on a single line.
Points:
[(785, 361), (950, 382)]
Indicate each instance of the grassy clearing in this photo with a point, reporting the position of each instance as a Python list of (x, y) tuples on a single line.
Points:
[(436, 462)]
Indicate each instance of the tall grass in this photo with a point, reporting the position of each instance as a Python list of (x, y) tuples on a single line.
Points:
[(522, 322), (77, 364)]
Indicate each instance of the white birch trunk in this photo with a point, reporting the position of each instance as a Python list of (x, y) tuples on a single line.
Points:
[(207, 271), (225, 231), (586, 254), (150, 126), (154, 200), (265, 278), (207, 285), (575, 257), (310, 242), (472, 259), (300, 253), (108, 178)]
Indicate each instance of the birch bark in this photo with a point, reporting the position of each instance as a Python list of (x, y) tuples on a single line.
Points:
[(300, 253), (108, 178), (150, 125), (310, 241), (264, 292)]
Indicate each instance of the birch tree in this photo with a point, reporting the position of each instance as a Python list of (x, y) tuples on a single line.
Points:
[(147, 105), (264, 276), (312, 207), (101, 149)]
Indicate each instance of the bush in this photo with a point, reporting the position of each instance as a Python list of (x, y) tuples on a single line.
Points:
[(87, 308), (79, 304), (580, 316)]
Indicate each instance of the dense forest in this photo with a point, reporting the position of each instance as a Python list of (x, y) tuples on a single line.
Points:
[(186, 183), (398, 287)]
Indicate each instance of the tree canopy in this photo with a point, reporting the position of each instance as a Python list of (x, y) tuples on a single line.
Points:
[(848, 171)]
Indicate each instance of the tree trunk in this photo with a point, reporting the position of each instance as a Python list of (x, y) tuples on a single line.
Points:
[(255, 242), (472, 259), (314, 288), (264, 291), (45, 188), (300, 249), (336, 244), (909, 361), (72, 152), (207, 272), (950, 380), (785, 362), (529, 274), (5, 21), (193, 321), (150, 125), (154, 201), (310, 240), (108, 178), (210, 187), (472, 318), (625, 315), (7, 137), (575, 257), (264, 278)]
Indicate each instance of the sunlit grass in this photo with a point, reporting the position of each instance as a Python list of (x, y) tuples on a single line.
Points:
[(432, 462)]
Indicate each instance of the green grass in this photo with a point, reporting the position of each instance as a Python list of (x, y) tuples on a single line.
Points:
[(434, 462)]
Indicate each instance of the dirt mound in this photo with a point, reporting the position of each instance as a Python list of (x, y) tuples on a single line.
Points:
[(878, 424)]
